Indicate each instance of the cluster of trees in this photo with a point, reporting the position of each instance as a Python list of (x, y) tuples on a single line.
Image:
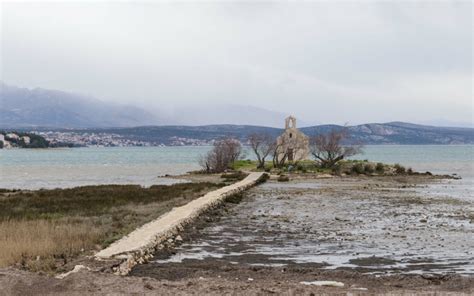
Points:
[(327, 149), (224, 153)]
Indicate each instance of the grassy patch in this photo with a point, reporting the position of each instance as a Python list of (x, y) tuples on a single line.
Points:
[(43, 229), (343, 167), (244, 164)]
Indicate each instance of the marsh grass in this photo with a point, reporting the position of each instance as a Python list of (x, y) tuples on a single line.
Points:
[(42, 230), (34, 244)]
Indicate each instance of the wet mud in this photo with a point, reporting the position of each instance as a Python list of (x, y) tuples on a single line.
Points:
[(354, 229)]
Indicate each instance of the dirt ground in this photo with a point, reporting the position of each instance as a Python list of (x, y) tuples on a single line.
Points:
[(374, 235), (231, 280)]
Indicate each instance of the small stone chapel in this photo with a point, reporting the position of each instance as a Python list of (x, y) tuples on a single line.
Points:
[(292, 144)]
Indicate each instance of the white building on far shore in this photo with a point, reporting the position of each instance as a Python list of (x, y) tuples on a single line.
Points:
[(12, 136), (5, 143), (26, 139)]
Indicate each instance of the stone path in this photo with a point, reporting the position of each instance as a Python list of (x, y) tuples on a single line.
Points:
[(140, 244)]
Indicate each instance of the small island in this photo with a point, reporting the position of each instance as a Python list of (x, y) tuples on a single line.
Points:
[(295, 154)]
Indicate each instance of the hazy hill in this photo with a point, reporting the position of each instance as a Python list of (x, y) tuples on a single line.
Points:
[(22, 107), (373, 133), (50, 109), (402, 133), (216, 114)]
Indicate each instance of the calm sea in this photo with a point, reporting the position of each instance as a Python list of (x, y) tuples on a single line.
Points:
[(52, 168)]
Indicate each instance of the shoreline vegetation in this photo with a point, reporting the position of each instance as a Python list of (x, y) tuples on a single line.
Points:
[(341, 169), (331, 153)]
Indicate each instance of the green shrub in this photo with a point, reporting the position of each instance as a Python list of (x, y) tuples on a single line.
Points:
[(399, 169), (358, 168), (369, 168), (380, 168), (410, 171), (337, 169)]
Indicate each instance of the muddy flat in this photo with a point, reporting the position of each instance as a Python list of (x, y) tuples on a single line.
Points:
[(356, 230)]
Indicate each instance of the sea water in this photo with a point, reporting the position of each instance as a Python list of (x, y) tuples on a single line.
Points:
[(69, 167)]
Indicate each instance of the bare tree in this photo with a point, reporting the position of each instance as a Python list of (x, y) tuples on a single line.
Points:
[(328, 148), (222, 155), (279, 154), (205, 162), (262, 145)]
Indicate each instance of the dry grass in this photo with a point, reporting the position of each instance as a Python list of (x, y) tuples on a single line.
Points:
[(34, 243), (43, 230)]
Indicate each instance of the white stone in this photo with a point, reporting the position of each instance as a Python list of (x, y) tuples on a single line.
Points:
[(76, 269), (323, 283)]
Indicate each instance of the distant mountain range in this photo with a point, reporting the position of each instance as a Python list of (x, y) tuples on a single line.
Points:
[(28, 109), (22, 107), (372, 133)]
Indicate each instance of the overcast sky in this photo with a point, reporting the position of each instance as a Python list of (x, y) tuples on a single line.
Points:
[(325, 62)]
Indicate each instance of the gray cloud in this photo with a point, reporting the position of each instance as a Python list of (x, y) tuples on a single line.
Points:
[(323, 61)]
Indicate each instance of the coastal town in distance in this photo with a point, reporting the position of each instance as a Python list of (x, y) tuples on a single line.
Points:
[(153, 136)]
